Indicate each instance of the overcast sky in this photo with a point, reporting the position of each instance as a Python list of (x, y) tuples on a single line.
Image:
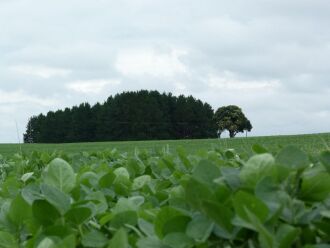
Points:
[(270, 57)]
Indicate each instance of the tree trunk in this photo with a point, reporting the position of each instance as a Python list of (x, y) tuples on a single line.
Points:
[(232, 134)]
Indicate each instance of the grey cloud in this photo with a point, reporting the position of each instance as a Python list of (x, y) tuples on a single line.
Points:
[(258, 41)]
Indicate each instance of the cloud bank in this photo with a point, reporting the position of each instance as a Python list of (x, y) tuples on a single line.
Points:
[(269, 57)]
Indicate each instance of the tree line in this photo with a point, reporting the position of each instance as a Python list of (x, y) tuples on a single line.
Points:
[(139, 115)]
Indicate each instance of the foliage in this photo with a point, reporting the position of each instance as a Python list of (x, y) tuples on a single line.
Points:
[(312, 144), (231, 118), (141, 115), (218, 198)]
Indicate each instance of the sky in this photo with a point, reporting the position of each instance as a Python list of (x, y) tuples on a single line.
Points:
[(270, 57)]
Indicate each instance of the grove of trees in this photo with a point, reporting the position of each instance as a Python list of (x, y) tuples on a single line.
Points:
[(141, 115)]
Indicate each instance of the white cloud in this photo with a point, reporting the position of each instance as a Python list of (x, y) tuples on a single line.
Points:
[(41, 71), (147, 62), (94, 86), (20, 96), (229, 81)]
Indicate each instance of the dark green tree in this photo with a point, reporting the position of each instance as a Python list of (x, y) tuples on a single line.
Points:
[(132, 115), (231, 118)]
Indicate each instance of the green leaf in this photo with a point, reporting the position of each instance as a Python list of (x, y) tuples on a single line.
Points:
[(150, 242), (259, 149), (78, 215), (119, 240), (196, 192), (60, 175), (170, 220), (221, 215), (256, 168), (31, 193), (140, 182), (206, 172), (121, 171), (94, 239), (67, 242), (146, 227), (19, 211), (183, 157), (325, 159), (293, 158), (286, 235), (44, 212), (57, 198), (122, 185), (231, 177), (266, 238), (243, 201), (199, 228), (99, 200), (315, 187), (178, 240), (27, 176), (47, 242), (7, 240), (121, 219)]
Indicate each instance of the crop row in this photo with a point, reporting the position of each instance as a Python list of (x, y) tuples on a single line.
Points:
[(160, 199)]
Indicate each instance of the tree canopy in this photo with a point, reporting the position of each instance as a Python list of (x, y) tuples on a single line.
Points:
[(138, 115), (232, 119)]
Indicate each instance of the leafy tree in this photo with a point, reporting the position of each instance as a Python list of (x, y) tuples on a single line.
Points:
[(231, 118)]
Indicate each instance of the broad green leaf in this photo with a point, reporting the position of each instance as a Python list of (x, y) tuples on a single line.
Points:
[(67, 242), (196, 192), (94, 239), (293, 158), (121, 171), (128, 204), (121, 219), (316, 187), (57, 198), (206, 172), (243, 201), (183, 157), (258, 167), (231, 177), (60, 231), (286, 235), (44, 212), (99, 200), (27, 176), (199, 228), (89, 179), (170, 220), (146, 227), (31, 192), (220, 214), (122, 185), (19, 211), (106, 181), (178, 240), (119, 240), (78, 215), (259, 149), (151, 242), (60, 175), (7, 240), (325, 159), (47, 242), (266, 238), (140, 182)]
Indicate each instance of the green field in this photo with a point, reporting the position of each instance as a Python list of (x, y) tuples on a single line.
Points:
[(311, 143), (249, 197)]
